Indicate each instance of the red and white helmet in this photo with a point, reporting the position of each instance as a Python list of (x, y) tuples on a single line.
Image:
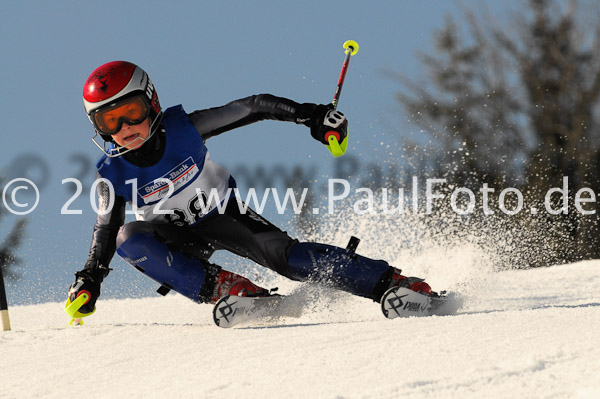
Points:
[(113, 83)]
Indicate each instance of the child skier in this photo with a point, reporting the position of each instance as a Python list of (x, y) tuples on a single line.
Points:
[(158, 162)]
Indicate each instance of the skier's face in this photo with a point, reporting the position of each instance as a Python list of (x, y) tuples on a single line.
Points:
[(132, 136)]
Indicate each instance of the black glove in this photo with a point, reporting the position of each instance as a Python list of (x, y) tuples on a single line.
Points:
[(323, 121), (86, 280)]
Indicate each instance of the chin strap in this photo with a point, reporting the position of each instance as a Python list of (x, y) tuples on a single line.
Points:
[(116, 151)]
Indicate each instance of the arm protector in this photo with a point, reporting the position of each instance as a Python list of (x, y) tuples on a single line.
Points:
[(104, 238), (214, 121)]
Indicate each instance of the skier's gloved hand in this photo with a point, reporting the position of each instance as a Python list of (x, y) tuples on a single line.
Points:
[(86, 280), (334, 123), (323, 121)]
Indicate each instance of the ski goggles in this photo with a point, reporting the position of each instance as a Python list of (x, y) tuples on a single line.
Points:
[(133, 111)]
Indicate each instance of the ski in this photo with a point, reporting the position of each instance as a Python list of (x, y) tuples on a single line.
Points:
[(232, 310), (403, 302)]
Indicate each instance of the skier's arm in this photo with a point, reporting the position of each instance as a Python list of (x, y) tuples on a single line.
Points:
[(108, 222), (214, 121), (103, 247)]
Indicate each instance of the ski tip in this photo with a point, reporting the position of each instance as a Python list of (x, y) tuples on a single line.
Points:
[(225, 311), (403, 302), (216, 307), (383, 304)]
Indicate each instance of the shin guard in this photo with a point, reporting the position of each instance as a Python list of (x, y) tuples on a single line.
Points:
[(336, 267)]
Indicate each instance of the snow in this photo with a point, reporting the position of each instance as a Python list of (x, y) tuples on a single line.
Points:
[(520, 333)]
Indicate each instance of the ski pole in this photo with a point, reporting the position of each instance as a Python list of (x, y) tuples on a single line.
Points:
[(334, 146), (351, 48), (3, 304)]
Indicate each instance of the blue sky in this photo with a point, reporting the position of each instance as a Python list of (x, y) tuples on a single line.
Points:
[(199, 54)]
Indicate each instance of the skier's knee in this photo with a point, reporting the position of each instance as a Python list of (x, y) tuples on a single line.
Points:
[(272, 250), (131, 229)]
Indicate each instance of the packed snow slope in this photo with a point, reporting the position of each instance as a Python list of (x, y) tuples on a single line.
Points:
[(520, 334)]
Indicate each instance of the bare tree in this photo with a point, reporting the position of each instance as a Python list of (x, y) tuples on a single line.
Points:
[(10, 244), (515, 102)]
